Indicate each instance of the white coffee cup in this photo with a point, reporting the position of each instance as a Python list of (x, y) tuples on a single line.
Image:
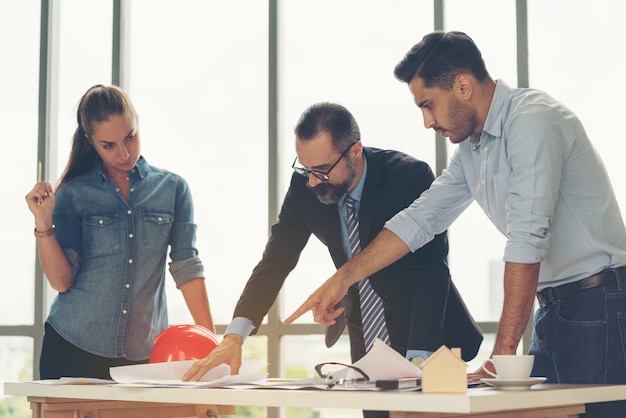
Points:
[(510, 366)]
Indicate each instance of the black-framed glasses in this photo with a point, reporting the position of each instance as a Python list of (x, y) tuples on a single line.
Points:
[(334, 374), (321, 175)]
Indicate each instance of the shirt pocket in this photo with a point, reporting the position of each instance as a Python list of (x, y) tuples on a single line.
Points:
[(156, 230), (103, 234)]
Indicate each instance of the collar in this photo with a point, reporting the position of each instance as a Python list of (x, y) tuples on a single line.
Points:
[(141, 168), (358, 190), (493, 124)]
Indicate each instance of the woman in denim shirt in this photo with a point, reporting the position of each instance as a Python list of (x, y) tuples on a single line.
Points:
[(103, 238)]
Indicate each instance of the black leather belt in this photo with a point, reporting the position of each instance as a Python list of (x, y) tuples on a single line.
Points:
[(551, 295)]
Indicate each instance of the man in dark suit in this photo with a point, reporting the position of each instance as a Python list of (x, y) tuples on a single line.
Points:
[(422, 308)]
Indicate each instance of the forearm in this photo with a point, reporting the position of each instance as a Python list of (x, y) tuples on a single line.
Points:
[(54, 263), (197, 300), (41, 202), (384, 250), (520, 285)]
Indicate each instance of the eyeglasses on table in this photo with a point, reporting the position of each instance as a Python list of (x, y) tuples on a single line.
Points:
[(334, 374)]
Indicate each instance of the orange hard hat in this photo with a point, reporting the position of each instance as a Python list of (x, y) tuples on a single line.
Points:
[(183, 342)]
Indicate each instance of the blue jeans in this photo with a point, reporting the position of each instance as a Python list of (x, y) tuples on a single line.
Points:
[(582, 339)]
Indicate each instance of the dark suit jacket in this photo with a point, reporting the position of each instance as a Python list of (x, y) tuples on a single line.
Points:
[(423, 309)]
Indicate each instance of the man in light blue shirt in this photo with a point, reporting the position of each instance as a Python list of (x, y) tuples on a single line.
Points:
[(527, 161)]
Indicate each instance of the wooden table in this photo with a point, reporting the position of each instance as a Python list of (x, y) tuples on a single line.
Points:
[(97, 401)]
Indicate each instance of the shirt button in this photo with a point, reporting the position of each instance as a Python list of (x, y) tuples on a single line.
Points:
[(160, 219), (130, 261), (132, 189), (101, 222), (129, 211), (127, 286), (117, 190), (130, 235), (124, 311)]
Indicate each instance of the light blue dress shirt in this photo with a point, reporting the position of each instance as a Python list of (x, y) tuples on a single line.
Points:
[(538, 178), (117, 251)]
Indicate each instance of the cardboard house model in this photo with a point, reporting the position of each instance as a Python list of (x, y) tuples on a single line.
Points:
[(444, 372)]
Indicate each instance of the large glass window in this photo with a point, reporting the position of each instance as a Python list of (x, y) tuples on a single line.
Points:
[(19, 43), (16, 360), (579, 62), (18, 128), (198, 75), (198, 78)]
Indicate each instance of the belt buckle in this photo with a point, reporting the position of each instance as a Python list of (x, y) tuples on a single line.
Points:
[(546, 297)]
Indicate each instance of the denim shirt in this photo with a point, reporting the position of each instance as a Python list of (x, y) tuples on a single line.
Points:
[(117, 251), (539, 180)]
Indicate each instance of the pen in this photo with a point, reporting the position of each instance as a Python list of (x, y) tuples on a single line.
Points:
[(39, 179), (402, 383)]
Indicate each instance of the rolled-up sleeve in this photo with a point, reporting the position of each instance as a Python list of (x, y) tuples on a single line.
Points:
[(536, 168), (435, 210), (185, 264), (185, 270)]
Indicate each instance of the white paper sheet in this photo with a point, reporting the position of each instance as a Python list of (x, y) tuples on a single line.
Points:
[(381, 362), (169, 374), (384, 363)]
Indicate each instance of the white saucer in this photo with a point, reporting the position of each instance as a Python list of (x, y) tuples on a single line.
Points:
[(513, 384)]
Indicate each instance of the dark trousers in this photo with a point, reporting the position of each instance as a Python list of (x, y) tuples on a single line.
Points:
[(59, 358), (580, 339), (376, 414)]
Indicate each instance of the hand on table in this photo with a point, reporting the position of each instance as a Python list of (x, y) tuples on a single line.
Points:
[(227, 352), (480, 373)]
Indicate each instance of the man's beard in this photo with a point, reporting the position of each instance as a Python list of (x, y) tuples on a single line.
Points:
[(463, 121), (328, 193)]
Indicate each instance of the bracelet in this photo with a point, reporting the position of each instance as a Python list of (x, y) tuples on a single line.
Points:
[(44, 234)]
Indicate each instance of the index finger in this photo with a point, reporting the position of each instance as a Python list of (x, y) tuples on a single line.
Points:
[(304, 308), (326, 317)]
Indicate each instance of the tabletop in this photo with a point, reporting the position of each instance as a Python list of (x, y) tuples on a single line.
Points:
[(480, 399)]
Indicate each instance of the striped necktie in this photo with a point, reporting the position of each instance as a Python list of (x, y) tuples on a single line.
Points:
[(372, 312)]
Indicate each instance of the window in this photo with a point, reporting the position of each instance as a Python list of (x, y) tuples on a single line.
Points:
[(198, 79), (18, 129), (579, 63), (198, 75)]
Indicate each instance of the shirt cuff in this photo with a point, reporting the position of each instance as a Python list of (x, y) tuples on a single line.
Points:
[(188, 269), (240, 326), (418, 353)]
